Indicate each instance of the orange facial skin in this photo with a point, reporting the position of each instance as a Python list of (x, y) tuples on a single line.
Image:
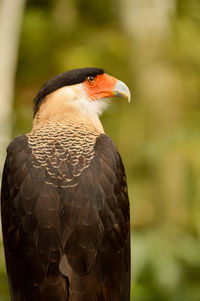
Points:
[(100, 86)]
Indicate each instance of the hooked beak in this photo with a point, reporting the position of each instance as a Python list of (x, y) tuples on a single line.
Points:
[(121, 90)]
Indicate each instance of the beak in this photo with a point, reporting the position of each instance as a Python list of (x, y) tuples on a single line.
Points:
[(121, 90)]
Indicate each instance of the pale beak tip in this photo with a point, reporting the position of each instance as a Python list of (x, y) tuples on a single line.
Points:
[(121, 90)]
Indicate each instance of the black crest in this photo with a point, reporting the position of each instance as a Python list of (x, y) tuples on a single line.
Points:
[(68, 78)]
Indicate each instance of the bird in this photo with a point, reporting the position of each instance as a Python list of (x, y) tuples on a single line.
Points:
[(64, 197)]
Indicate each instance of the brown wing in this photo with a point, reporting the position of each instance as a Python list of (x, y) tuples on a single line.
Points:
[(31, 228), (95, 216), (66, 243)]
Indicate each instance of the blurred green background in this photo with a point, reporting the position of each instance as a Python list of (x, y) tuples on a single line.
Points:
[(153, 46)]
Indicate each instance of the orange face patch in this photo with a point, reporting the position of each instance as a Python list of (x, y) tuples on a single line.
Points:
[(100, 86)]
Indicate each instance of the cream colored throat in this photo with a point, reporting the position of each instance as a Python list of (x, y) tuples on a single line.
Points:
[(67, 104)]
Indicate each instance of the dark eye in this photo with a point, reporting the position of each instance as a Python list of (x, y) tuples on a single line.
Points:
[(90, 79)]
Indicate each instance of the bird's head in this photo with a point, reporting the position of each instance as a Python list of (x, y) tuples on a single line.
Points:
[(83, 92)]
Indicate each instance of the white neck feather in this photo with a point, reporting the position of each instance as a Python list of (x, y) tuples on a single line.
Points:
[(71, 102)]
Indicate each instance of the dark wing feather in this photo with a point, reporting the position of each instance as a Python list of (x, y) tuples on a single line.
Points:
[(31, 228), (97, 248)]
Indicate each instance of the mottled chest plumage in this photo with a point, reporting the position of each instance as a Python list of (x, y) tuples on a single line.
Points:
[(63, 150)]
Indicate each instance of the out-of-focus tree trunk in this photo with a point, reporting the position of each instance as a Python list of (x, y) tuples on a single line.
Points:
[(11, 13), (159, 89), (148, 24)]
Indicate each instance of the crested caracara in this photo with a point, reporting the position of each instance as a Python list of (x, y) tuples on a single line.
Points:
[(65, 208)]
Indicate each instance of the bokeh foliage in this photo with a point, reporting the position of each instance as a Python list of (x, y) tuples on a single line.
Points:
[(157, 134)]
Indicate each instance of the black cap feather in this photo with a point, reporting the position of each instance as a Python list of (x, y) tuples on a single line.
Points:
[(68, 78)]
